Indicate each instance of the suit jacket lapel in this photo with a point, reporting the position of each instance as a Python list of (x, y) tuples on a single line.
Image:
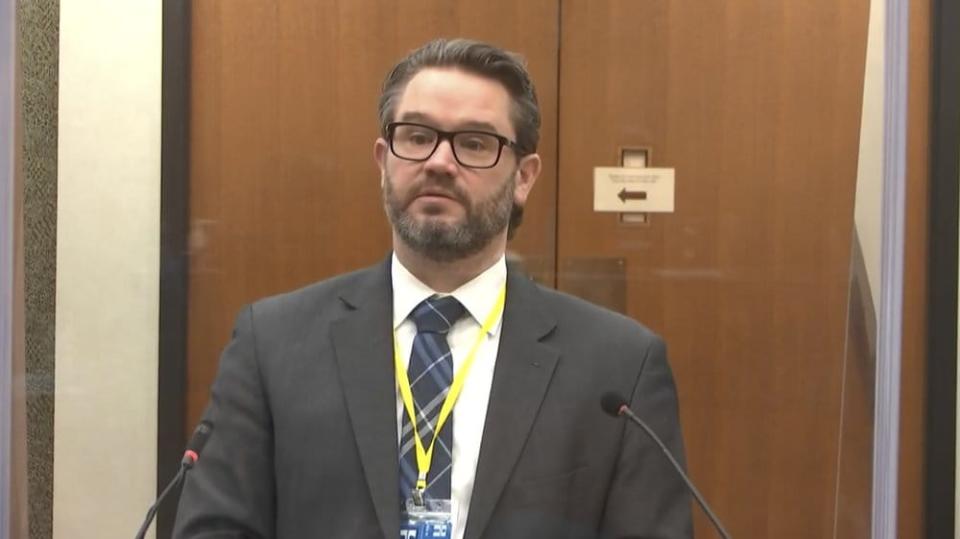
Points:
[(364, 352), (521, 377)]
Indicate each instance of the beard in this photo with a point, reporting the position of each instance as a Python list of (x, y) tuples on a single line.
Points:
[(447, 242)]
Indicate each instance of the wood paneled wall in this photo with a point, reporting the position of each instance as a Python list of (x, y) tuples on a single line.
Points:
[(756, 105)]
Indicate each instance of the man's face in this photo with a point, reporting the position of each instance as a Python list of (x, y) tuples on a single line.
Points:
[(438, 207)]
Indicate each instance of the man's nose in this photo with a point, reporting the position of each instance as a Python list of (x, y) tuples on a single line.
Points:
[(443, 160)]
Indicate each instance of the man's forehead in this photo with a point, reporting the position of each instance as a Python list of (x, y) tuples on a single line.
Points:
[(455, 98), (416, 116)]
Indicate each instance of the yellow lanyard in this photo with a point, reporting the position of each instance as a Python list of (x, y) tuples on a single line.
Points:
[(425, 456)]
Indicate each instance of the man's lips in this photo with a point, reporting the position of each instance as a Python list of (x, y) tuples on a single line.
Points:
[(437, 194)]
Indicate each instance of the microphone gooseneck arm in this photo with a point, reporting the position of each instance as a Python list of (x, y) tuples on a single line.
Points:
[(199, 439), (152, 512), (615, 405), (626, 411)]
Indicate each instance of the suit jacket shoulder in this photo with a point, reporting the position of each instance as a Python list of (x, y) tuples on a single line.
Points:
[(572, 310), (584, 331), (322, 296), (294, 314)]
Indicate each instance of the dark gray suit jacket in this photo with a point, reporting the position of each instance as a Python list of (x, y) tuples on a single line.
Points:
[(305, 438)]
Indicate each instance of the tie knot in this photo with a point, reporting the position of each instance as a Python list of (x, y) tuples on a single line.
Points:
[(436, 314)]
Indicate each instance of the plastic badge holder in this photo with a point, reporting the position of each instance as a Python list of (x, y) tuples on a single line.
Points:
[(429, 521)]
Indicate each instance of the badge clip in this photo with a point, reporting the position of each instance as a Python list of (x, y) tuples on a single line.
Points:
[(417, 496)]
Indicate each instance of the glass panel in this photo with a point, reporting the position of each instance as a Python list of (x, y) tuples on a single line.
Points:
[(745, 142)]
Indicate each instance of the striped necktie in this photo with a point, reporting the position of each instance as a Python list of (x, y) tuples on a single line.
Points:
[(430, 372)]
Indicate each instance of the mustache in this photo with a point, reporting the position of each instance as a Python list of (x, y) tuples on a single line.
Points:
[(432, 186)]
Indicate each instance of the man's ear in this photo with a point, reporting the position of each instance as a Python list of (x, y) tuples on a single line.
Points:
[(380, 156), (527, 173)]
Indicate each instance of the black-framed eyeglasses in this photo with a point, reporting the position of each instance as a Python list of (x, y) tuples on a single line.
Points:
[(472, 149)]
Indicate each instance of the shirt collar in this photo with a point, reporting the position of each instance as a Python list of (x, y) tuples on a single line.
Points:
[(478, 296)]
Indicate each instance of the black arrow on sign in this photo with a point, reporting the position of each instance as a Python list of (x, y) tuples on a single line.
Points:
[(631, 195)]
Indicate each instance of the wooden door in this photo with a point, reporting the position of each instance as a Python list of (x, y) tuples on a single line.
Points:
[(757, 107), (284, 190)]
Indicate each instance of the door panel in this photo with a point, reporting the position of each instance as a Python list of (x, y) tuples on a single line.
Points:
[(757, 107), (284, 190)]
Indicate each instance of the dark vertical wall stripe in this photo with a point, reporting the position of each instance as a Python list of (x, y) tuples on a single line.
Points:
[(174, 212), (38, 27), (942, 330)]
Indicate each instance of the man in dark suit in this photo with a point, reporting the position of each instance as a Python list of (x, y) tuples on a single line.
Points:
[(329, 399)]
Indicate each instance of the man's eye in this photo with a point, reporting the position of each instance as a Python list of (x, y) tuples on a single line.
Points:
[(475, 144), (420, 138)]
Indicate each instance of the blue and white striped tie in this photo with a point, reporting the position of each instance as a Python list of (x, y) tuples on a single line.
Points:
[(430, 373)]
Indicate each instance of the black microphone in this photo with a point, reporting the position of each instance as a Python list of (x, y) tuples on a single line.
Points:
[(616, 405), (199, 439)]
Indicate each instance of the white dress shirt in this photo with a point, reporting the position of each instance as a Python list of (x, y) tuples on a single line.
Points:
[(479, 297)]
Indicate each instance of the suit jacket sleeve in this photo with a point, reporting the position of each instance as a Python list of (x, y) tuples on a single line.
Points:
[(230, 491), (646, 493)]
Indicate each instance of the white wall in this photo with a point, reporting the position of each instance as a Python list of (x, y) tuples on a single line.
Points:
[(108, 219), (868, 205)]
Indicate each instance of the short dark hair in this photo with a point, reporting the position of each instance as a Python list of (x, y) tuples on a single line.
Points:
[(476, 57)]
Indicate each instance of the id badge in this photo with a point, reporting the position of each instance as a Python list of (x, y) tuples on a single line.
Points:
[(433, 520)]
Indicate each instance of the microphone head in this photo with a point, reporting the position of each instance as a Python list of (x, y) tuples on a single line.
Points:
[(612, 403), (199, 439), (200, 436)]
